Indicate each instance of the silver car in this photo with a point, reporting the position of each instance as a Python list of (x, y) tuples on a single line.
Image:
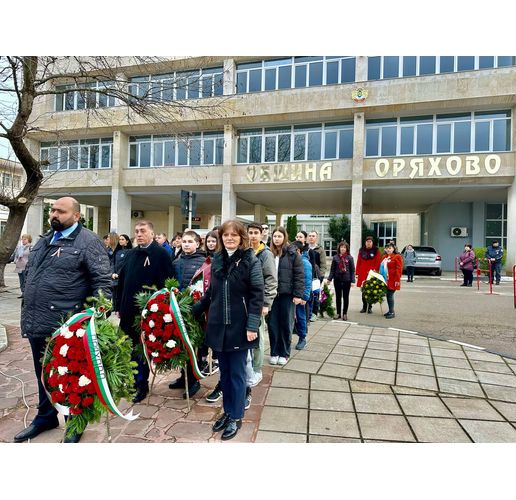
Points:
[(427, 259)]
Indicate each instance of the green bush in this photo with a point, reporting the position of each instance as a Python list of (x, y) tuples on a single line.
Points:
[(480, 253)]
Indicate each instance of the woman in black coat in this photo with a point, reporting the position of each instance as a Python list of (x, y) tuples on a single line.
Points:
[(124, 245), (343, 273), (235, 302)]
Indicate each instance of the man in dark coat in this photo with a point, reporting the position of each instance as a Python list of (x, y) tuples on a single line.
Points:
[(146, 264), (67, 265)]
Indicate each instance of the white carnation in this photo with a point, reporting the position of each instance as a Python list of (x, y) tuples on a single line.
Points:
[(151, 323), (62, 370), (167, 318), (61, 387), (171, 344), (154, 308), (155, 354), (80, 332), (64, 350), (152, 338), (84, 381), (66, 333), (144, 313)]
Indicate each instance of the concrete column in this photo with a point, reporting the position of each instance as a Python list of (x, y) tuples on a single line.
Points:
[(34, 219), (120, 200), (511, 228), (279, 220), (175, 221), (356, 186), (361, 69), (477, 238), (103, 223), (96, 220), (229, 77), (228, 193), (260, 214)]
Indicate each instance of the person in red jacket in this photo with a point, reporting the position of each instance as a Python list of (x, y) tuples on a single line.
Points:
[(391, 268), (368, 258)]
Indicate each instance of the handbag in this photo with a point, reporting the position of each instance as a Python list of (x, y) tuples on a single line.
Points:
[(316, 285)]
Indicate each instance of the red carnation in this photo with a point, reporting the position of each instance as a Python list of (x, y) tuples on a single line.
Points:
[(87, 401), (57, 397), (74, 399), (75, 411)]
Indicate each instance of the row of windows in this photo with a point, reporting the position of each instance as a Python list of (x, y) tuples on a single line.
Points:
[(385, 232), (439, 134), (72, 155), (179, 85), (496, 224), (9, 181), (294, 72), (296, 143), (206, 148), (69, 98), (381, 67)]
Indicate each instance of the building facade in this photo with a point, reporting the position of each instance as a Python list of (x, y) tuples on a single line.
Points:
[(366, 136), (11, 178)]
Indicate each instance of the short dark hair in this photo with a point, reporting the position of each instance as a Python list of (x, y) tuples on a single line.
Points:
[(255, 225), (343, 244), (193, 234), (298, 245)]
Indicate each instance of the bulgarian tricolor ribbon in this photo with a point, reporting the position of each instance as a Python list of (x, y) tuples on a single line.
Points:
[(177, 318), (94, 359)]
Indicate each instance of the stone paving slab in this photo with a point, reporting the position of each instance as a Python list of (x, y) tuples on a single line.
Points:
[(385, 427), (438, 430), (332, 423), (423, 406)]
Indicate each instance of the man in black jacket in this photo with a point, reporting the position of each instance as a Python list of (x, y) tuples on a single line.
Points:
[(66, 265), (147, 264)]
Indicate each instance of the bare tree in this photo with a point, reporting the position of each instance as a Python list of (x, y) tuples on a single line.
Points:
[(94, 81)]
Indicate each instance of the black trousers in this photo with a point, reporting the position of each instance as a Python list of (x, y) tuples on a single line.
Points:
[(468, 276), (280, 323), (47, 414), (390, 300), (233, 381), (342, 292)]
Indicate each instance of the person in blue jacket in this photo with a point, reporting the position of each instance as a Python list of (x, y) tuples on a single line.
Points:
[(301, 325), (494, 254)]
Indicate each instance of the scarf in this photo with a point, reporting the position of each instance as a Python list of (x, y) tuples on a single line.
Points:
[(368, 253), (342, 263)]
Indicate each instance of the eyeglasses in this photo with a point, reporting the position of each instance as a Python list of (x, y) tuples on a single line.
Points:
[(265, 227)]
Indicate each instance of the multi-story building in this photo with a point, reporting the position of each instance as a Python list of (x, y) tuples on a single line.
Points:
[(366, 136), (11, 178)]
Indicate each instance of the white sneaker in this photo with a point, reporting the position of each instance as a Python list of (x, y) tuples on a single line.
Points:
[(273, 360), (282, 361), (256, 379)]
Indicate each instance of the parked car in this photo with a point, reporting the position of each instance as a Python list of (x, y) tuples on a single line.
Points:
[(427, 259)]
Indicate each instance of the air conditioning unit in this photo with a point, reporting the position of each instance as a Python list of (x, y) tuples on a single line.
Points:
[(137, 214), (459, 232)]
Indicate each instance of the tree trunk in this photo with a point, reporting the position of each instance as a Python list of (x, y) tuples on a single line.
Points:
[(2, 280)]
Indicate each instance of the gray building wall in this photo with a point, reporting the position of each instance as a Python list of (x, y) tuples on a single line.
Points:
[(438, 221)]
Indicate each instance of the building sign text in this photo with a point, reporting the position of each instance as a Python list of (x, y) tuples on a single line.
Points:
[(290, 172)]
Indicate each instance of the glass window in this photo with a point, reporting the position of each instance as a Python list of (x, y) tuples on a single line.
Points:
[(424, 139), (284, 81), (284, 147), (180, 87), (330, 145), (299, 147), (220, 151), (316, 70), (241, 83), (193, 87), (208, 152), (218, 84), (494, 211), (94, 156), (270, 148), (407, 140), (255, 80), (465, 63), (486, 62), (106, 157), (255, 153), (427, 65), (314, 146), (462, 137), (388, 141), (372, 136), (373, 68), (207, 82), (84, 157), (347, 71), (391, 65), (506, 61), (446, 64), (195, 151), (270, 79), (145, 154), (182, 152), (242, 150), (133, 155), (157, 160), (482, 136), (501, 135), (346, 143), (300, 76), (60, 98), (332, 72), (444, 138), (494, 228), (73, 158), (409, 65), (170, 153)]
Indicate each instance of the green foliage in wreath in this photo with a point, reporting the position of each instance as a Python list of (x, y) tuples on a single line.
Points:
[(326, 302), (374, 290)]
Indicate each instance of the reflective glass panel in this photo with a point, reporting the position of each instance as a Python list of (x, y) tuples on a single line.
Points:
[(270, 148), (241, 83), (407, 140), (182, 152), (443, 138), (482, 136), (462, 137), (391, 65), (270, 79), (106, 157), (255, 80), (373, 68), (284, 81), (506, 61), (157, 161), (446, 64), (372, 141), (284, 147), (347, 71), (501, 135), (427, 65), (330, 145), (219, 154), (133, 155), (409, 65), (332, 72), (486, 62), (299, 147), (346, 143), (465, 63), (170, 153), (494, 211), (242, 150), (424, 139), (316, 70), (300, 76), (314, 146), (145, 154), (388, 141), (195, 152), (255, 153), (208, 152)]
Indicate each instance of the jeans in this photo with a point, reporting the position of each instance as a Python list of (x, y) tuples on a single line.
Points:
[(468, 277), (316, 302), (21, 277), (342, 292), (390, 300), (280, 322), (495, 271), (301, 321), (410, 273), (232, 367), (47, 414)]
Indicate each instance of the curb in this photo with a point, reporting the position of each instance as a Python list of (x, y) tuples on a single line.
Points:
[(3, 339)]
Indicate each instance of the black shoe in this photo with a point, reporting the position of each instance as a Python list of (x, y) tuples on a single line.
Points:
[(386, 314), (32, 431), (141, 394), (497, 282), (192, 390), (463, 284), (215, 395), (369, 309), (363, 310), (470, 284), (179, 383), (74, 438), (205, 370), (248, 398), (390, 315), (231, 429), (221, 423), (20, 296)]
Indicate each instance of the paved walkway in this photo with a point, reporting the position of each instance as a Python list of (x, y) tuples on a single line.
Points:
[(351, 383)]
